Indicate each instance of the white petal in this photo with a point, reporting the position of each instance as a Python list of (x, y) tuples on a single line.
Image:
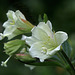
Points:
[(11, 19), (31, 40), (49, 24), (1, 36), (52, 52), (20, 15), (23, 37), (46, 27), (9, 30), (11, 15), (39, 34), (6, 24), (35, 51), (61, 37)]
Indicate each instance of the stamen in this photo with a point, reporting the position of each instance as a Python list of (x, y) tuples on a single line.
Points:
[(5, 63), (12, 23), (44, 50)]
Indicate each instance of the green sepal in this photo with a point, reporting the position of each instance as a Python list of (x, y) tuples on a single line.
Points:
[(45, 18), (13, 46), (24, 26)]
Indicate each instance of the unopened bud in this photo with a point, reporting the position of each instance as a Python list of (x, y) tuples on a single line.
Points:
[(26, 58)]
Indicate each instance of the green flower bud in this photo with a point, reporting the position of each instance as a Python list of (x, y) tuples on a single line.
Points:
[(13, 46), (26, 58)]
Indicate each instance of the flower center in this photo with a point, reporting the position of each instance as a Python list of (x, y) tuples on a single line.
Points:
[(48, 45), (12, 23), (44, 50)]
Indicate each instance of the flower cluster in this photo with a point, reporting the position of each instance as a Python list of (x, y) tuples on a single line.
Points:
[(43, 43)]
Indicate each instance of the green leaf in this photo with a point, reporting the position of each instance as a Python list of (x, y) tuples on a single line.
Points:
[(67, 48), (45, 18), (13, 46)]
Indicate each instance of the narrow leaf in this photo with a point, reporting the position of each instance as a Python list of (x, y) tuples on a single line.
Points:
[(67, 48)]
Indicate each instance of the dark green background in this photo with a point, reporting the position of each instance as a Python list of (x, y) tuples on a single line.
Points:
[(62, 15)]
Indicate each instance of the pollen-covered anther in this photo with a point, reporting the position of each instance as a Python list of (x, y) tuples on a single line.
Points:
[(49, 37), (44, 50), (12, 23)]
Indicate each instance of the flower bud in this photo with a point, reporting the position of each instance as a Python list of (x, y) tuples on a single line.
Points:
[(13, 46), (26, 58)]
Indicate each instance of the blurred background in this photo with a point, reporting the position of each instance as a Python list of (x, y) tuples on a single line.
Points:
[(62, 15)]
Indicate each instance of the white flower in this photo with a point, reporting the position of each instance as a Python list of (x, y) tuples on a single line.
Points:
[(45, 43), (16, 24)]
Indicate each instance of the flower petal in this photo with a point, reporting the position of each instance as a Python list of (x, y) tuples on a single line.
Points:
[(46, 27), (23, 37), (52, 52), (6, 24), (11, 19), (49, 24), (1, 36), (11, 15), (11, 32), (20, 15), (35, 51), (39, 34), (31, 40), (61, 37)]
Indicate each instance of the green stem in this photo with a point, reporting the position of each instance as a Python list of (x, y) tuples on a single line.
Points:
[(69, 62), (59, 56)]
